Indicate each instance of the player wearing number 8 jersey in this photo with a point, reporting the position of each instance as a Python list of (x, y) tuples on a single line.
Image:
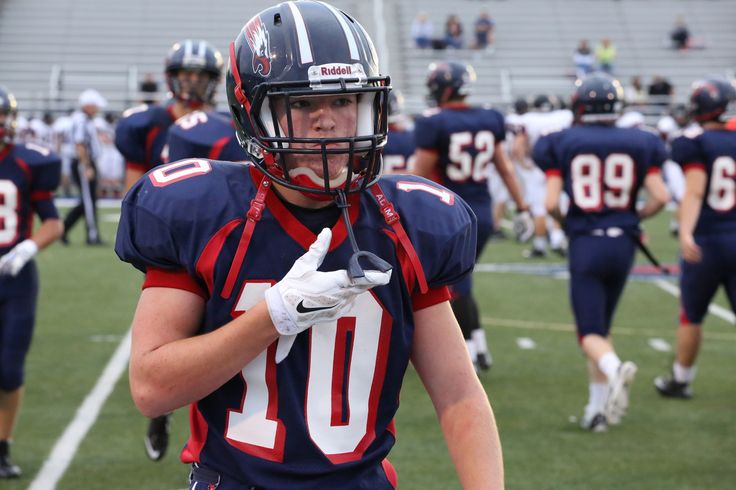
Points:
[(707, 224), (290, 342), (29, 174), (456, 143), (602, 168)]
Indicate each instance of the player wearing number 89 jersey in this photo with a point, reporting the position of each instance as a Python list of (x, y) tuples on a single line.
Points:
[(28, 176), (707, 224), (456, 143), (602, 168)]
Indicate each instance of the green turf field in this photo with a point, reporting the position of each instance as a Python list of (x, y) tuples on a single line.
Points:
[(87, 301)]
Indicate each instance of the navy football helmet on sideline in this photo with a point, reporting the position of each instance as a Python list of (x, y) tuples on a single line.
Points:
[(597, 98), (199, 56), (710, 98), (449, 80), (8, 107), (291, 50)]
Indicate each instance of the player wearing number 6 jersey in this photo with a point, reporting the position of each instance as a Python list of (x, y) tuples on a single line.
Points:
[(285, 299), (602, 168), (455, 145), (28, 176), (707, 224)]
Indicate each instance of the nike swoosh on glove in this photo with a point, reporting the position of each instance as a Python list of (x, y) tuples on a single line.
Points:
[(12, 262), (306, 296)]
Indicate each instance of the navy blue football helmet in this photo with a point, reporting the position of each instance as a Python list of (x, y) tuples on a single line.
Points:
[(194, 55), (8, 107), (298, 49), (710, 98), (449, 80), (597, 98)]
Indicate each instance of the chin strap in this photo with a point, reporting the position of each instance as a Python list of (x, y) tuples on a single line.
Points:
[(392, 219), (355, 270), (257, 205)]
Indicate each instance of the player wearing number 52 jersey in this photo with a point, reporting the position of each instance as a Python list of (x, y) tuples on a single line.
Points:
[(284, 299), (602, 168), (201, 134), (29, 174), (707, 224), (455, 145)]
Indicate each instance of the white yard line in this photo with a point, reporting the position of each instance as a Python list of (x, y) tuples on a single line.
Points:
[(66, 446)]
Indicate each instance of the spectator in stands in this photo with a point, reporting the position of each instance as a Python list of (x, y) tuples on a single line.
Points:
[(484, 26), (605, 54), (635, 94), (583, 58), (454, 32), (680, 34), (422, 31), (660, 92), (149, 89)]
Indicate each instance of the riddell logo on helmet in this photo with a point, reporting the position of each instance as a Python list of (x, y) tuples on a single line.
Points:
[(324, 73), (335, 70)]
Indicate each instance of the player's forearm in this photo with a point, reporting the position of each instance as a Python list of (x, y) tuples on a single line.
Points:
[(83, 155), (472, 439), (689, 212), (188, 369), (49, 231)]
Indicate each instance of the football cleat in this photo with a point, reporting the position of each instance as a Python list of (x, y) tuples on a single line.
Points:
[(618, 393), (561, 251), (484, 361), (157, 437), (7, 468), (668, 387), (534, 253), (595, 422)]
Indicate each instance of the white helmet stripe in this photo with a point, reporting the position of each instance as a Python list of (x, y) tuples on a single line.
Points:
[(188, 48), (349, 35), (305, 48)]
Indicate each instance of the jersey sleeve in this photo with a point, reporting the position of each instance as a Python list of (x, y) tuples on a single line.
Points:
[(500, 131), (427, 133), (544, 157), (130, 138), (45, 167), (686, 152), (658, 154), (440, 225)]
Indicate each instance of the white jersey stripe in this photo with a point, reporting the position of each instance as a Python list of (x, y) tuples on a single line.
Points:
[(349, 35), (305, 48)]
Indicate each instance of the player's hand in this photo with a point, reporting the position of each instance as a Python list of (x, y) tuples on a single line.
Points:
[(306, 296), (690, 250), (12, 262), (523, 226)]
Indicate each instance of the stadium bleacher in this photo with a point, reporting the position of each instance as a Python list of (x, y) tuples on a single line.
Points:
[(50, 51)]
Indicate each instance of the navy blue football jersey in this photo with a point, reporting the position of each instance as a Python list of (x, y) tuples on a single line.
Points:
[(465, 139), (398, 154), (29, 174), (140, 135), (187, 218), (202, 134), (603, 169), (714, 151)]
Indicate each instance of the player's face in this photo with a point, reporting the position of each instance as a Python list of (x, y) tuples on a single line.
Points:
[(326, 116), (193, 83)]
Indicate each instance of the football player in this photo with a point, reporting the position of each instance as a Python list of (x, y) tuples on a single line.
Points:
[(455, 145), (707, 224), (602, 168), (201, 134), (545, 117), (193, 72), (284, 299), (28, 175), (398, 154)]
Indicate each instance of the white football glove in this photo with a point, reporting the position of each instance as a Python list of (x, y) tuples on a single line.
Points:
[(306, 296), (12, 262), (523, 226)]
